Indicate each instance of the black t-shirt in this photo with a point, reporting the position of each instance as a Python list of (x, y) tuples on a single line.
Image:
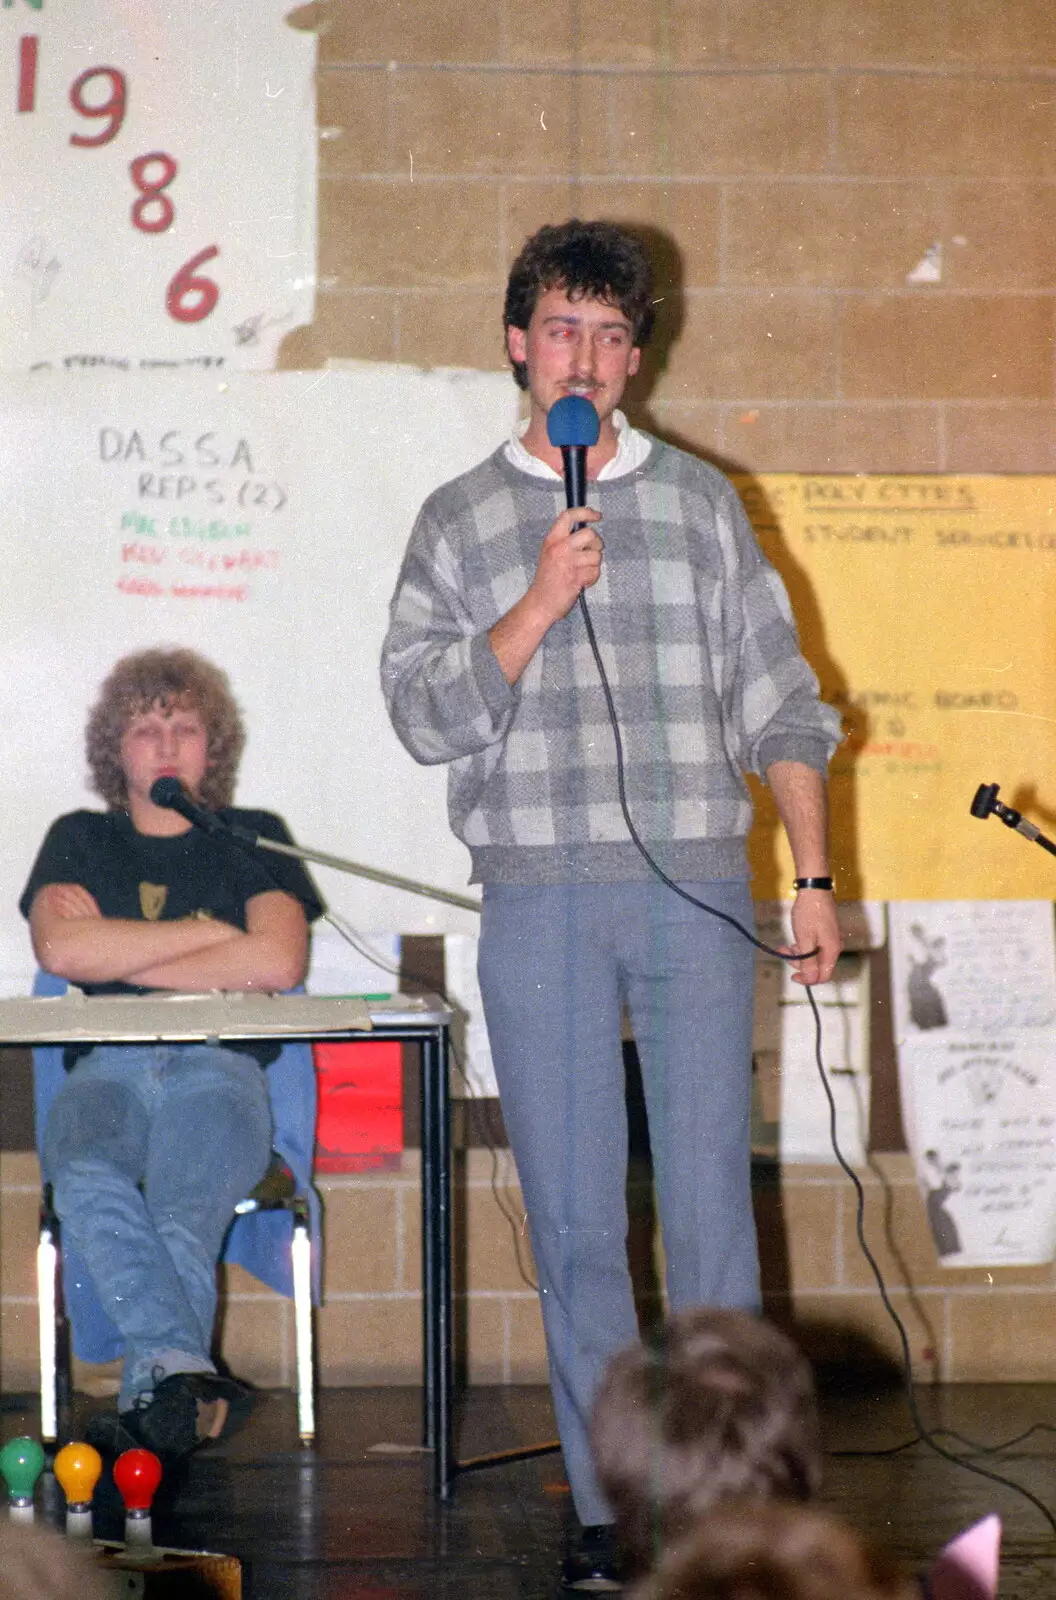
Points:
[(150, 878)]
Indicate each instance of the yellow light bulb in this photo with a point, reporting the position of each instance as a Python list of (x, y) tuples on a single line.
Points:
[(77, 1467)]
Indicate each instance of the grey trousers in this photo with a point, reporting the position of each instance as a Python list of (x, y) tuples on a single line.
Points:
[(556, 964)]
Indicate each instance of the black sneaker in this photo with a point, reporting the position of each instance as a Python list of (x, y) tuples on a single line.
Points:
[(180, 1415), (593, 1564), (167, 1419), (208, 1387)]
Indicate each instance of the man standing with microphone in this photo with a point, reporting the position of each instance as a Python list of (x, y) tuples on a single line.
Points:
[(487, 665)]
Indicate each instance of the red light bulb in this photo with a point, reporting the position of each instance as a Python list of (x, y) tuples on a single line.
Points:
[(137, 1474)]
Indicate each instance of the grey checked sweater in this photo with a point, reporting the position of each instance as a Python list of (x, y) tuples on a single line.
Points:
[(699, 646)]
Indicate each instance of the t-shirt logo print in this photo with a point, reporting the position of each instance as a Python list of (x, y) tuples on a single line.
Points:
[(152, 898)]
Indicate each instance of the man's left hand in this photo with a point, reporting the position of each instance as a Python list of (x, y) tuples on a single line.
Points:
[(815, 928)]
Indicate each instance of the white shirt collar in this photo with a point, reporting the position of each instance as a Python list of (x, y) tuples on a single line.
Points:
[(632, 447)]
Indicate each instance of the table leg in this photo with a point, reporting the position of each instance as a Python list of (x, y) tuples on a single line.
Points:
[(436, 1236)]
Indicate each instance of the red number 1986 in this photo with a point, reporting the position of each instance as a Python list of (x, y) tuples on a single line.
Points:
[(100, 94)]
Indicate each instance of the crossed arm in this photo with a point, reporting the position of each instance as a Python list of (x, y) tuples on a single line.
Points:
[(73, 939)]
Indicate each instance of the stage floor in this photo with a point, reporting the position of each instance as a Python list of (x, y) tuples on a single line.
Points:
[(355, 1517)]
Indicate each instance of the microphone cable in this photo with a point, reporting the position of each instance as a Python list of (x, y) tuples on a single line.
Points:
[(923, 1433), (621, 785)]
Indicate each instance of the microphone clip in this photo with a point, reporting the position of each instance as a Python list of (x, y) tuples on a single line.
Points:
[(170, 794), (986, 802)]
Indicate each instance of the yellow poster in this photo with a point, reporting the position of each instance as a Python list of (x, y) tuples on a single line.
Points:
[(927, 607)]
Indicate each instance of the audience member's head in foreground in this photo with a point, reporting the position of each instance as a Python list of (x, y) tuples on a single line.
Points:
[(37, 1563), (774, 1550), (720, 1406)]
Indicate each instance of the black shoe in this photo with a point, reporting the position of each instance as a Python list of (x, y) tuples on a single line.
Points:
[(241, 1398), (171, 1422), (593, 1565), (167, 1419)]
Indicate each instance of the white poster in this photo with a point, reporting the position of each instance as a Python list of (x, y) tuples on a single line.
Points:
[(261, 519), (975, 1012), (863, 923), (347, 961), (972, 964), (980, 1118), (157, 183), (792, 1116)]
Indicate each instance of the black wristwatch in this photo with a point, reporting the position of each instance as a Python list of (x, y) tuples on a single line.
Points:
[(814, 883)]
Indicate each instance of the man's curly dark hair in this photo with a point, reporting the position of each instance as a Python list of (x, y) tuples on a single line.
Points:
[(174, 679), (588, 260)]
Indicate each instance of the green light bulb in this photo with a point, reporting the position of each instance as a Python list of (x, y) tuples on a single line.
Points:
[(21, 1463)]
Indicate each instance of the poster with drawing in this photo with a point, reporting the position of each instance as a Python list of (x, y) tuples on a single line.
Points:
[(968, 965), (975, 1013), (980, 1116)]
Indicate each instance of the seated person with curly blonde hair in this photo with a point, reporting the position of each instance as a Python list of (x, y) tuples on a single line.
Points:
[(148, 1148)]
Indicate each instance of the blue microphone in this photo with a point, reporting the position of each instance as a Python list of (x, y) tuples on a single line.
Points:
[(572, 426)]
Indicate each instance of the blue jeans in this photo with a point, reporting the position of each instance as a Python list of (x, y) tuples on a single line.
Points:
[(149, 1148), (556, 964)]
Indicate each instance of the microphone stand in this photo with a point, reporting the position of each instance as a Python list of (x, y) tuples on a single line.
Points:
[(986, 801), (391, 879), (169, 793)]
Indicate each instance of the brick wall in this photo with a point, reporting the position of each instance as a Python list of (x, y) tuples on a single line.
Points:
[(794, 163), (369, 1332)]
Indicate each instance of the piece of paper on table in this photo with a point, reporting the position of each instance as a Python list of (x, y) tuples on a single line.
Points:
[(476, 1080)]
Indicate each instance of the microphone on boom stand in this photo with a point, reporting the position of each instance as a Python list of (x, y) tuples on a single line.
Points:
[(171, 795), (986, 801)]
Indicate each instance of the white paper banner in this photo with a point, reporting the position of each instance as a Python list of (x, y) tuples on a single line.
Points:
[(346, 961), (793, 1114), (863, 924), (474, 1074), (157, 183), (262, 520)]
